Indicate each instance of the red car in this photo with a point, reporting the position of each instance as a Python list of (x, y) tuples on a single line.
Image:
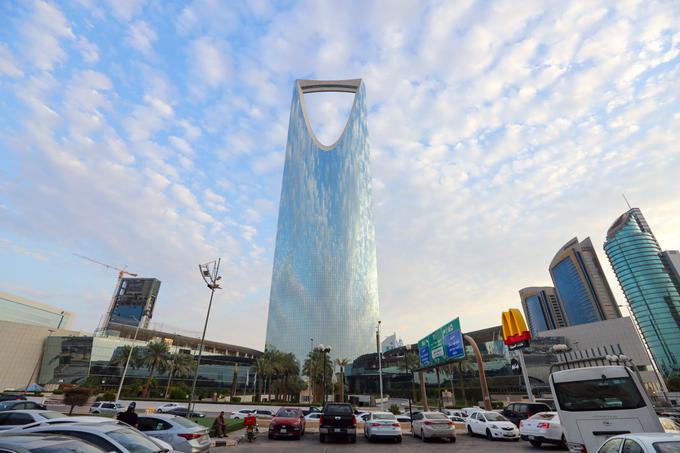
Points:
[(288, 422)]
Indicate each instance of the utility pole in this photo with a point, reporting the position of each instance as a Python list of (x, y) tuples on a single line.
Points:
[(210, 273), (377, 333), (127, 361)]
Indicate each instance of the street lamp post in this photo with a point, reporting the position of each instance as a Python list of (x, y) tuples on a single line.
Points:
[(377, 333), (210, 274), (407, 349), (311, 368), (127, 361)]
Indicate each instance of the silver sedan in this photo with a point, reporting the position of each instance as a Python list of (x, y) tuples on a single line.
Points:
[(183, 434), (382, 425)]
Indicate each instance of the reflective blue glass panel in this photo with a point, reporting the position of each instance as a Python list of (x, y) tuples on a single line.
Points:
[(573, 293)]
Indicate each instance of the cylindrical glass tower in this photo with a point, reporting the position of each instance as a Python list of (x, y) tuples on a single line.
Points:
[(634, 255)]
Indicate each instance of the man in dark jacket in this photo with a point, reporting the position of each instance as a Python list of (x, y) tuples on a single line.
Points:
[(129, 416)]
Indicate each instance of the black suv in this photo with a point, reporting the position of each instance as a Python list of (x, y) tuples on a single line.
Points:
[(521, 411), (338, 420)]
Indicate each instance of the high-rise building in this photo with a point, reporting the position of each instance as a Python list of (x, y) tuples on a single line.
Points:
[(671, 259), (581, 285), (542, 309), (18, 309), (134, 302), (652, 295), (324, 279)]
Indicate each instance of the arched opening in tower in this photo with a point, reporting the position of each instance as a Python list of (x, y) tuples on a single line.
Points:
[(328, 113)]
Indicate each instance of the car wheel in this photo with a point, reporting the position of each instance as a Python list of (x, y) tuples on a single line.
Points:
[(452, 439), (353, 439), (399, 439), (95, 412), (322, 438), (270, 436), (422, 436), (470, 433), (488, 434), (563, 443)]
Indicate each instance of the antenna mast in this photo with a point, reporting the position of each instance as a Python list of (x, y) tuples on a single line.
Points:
[(626, 199)]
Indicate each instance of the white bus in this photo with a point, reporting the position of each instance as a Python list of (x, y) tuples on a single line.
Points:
[(595, 403)]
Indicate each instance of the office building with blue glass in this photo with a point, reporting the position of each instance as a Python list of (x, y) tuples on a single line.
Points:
[(542, 309), (324, 279), (581, 285), (645, 276)]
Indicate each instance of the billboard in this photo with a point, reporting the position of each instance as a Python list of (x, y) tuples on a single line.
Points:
[(443, 345), (134, 302)]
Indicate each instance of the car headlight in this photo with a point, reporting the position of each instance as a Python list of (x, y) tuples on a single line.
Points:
[(494, 427)]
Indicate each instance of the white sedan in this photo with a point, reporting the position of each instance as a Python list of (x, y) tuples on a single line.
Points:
[(492, 425), (167, 407), (542, 428), (314, 417), (13, 419), (642, 443), (382, 425)]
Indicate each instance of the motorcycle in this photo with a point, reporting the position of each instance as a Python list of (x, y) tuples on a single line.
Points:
[(251, 433)]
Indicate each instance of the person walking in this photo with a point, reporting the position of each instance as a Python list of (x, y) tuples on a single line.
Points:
[(129, 416), (220, 426)]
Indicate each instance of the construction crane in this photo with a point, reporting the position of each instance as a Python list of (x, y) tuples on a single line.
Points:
[(121, 273)]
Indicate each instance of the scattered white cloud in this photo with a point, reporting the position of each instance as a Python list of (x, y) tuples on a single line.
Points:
[(141, 37), (8, 64)]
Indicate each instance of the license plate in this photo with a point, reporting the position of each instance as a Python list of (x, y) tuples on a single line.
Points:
[(338, 430), (532, 437), (283, 430)]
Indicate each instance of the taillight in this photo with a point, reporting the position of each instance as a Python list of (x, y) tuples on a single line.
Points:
[(576, 447), (396, 425), (375, 424), (449, 423), (427, 422), (545, 425), (354, 421), (190, 436), (321, 420)]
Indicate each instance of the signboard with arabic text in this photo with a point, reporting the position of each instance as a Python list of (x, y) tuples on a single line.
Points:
[(442, 346)]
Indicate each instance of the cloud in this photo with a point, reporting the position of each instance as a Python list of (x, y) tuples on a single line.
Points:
[(8, 64), (210, 61), (43, 33), (141, 37)]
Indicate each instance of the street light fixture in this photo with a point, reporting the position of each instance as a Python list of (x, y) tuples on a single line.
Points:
[(210, 273)]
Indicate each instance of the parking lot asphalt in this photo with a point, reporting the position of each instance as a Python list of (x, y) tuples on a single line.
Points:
[(310, 443)]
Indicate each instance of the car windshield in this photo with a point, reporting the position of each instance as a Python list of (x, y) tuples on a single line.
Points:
[(605, 394), (667, 447), (185, 422), (494, 417), (6, 405), (287, 413), (73, 446), (384, 417), (134, 441), (51, 414), (338, 409), (436, 416)]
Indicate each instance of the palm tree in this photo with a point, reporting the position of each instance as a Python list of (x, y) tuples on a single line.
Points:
[(263, 365), (315, 369), (121, 354), (342, 363), (181, 365), (156, 357)]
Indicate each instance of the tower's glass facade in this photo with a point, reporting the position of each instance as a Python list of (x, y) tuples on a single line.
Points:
[(324, 280), (654, 299), (573, 293)]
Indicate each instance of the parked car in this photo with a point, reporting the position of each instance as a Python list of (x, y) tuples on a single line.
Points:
[(311, 410), (106, 408), (543, 428), (492, 425), (15, 405), (315, 416), (167, 407), (184, 412), (362, 416), (241, 414), (403, 419), (112, 436), (382, 425), (457, 419), (453, 413), (7, 397), (521, 411), (67, 420), (13, 419), (337, 420), (26, 443), (642, 443), (182, 434), (467, 411), (288, 422), (430, 425), (669, 425)]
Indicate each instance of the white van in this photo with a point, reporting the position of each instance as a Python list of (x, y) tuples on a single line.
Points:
[(596, 403)]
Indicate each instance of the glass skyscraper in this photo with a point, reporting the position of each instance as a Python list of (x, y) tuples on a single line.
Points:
[(324, 279), (581, 285), (542, 309), (654, 298)]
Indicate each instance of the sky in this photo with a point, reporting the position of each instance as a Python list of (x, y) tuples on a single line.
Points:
[(152, 134)]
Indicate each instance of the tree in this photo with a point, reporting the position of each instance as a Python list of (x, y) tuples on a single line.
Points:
[(155, 357), (342, 363), (408, 364), (76, 396), (121, 354), (181, 365), (263, 365), (314, 368)]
